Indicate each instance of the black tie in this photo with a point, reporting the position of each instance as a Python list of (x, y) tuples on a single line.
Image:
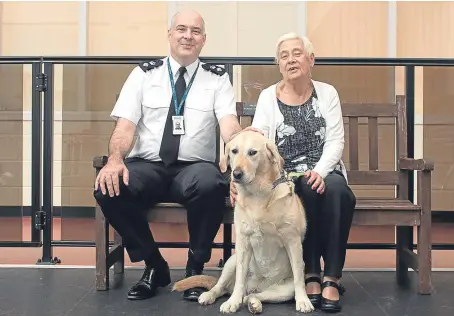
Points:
[(170, 143)]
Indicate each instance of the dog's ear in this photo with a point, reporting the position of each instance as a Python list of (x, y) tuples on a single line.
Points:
[(273, 154), (225, 160)]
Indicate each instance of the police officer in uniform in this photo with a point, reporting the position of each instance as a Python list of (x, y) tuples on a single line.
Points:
[(173, 105)]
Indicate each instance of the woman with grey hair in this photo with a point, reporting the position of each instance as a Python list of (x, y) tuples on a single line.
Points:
[(304, 118)]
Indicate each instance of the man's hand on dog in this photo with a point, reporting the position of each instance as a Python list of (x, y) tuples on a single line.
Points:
[(249, 128), (253, 129), (315, 180)]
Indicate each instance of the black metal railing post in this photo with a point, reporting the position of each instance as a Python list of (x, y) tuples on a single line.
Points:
[(410, 100), (48, 132), (36, 151)]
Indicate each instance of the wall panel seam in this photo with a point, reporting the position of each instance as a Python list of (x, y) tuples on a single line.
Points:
[(302, 18)]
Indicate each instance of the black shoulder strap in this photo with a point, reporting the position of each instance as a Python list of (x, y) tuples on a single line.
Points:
[(214, 69), (148, 65)]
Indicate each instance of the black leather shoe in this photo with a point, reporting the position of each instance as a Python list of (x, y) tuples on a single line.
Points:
[(331, 306), (193, 293), (151, 279), (314, 298)]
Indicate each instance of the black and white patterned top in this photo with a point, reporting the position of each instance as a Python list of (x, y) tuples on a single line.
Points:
[(301, 136)]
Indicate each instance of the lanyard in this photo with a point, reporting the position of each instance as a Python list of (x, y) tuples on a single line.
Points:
[(174, 94)]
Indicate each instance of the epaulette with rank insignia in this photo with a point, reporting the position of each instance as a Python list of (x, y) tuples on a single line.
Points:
[(148, 65), (214, 69)]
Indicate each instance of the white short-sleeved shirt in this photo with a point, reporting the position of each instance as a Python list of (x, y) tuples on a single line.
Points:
[(145, 99)]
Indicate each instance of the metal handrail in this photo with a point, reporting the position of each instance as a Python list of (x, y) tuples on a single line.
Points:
[(241, 60)]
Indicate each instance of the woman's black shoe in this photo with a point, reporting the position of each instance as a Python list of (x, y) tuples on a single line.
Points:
[(331, 306), (314, 298)]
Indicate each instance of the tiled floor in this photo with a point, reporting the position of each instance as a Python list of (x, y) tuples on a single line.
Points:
[(70, 292)]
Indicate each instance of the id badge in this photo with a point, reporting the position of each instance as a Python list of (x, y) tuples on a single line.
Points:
[(178, 125)]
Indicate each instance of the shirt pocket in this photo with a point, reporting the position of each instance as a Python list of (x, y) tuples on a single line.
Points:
[(200, 118), (155, 106)]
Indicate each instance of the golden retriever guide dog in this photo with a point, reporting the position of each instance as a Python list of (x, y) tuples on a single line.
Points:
[(270, 226)]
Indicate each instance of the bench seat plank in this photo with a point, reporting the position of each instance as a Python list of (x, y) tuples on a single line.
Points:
[(389, 204), (386, 205), (175, 213)]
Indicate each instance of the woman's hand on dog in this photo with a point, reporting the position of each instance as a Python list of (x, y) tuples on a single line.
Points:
[(315, 180), (233, 193)]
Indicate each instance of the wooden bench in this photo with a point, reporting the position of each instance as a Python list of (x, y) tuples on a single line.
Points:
[(398, 212)]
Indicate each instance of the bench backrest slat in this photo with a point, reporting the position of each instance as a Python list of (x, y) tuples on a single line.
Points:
[(373, 143), (353, 138), (401, 148), (369, 110)]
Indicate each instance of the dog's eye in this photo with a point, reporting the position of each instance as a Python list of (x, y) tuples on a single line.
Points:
[(234, 151), (252, 152)]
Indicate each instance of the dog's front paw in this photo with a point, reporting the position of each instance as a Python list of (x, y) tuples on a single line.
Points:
[(303, 304), (231, 305), (206, 298), (253, 304)]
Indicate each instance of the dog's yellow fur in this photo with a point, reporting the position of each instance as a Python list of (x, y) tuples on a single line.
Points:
[(270, 225)]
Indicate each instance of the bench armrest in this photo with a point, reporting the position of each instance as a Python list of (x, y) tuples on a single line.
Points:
[(415, 164), (99, 162)]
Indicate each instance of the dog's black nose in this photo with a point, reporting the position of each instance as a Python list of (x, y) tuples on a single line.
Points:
[(237, 174)]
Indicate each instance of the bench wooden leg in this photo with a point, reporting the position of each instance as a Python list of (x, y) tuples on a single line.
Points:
[(102, 250), (424, 262), (424, 235), (403, 242), (119, 266)]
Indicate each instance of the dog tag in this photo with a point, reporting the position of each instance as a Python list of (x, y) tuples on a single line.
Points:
[(178, 125)]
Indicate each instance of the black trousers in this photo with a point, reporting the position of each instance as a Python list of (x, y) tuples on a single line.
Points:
[(199, 186), (329, 217)]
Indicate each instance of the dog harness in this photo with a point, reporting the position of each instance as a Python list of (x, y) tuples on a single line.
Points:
[(282, 179)]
